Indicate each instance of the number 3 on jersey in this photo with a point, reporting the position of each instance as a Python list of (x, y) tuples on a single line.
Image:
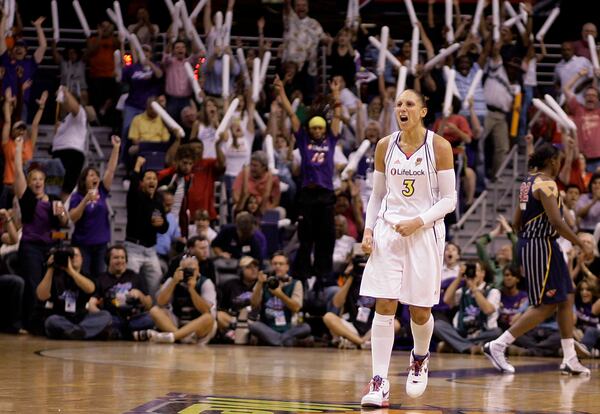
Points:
[(409, 188)]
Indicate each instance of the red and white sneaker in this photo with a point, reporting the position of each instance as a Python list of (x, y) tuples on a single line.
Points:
[(418, 373), (378, 395)]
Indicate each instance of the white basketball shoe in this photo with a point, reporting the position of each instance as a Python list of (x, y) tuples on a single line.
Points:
[(378, 395), (574, 367), (495, 354), (418, 373)]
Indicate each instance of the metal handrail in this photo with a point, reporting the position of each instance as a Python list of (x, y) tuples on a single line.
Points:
[(507, 159), (471, 209), (511, 154), (95, 144), (482, 221), (497, 195)]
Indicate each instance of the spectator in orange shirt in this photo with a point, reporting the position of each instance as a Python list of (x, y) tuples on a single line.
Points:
[(9, 147), (102, 83)]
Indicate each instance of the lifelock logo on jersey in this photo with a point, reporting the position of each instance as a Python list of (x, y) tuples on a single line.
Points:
[(403, 171)]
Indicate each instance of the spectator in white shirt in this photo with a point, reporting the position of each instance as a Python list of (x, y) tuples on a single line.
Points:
[(499, 94), (201, 226), (143, 28), (342, 251), (69, 141), (569, 66)]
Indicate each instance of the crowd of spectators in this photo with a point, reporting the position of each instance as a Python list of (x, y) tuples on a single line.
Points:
[(279, 264)]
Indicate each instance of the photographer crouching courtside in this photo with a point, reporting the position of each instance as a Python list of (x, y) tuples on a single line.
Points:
[(187, 307), (66, 292), (477, 302), (278, 298), (123, 294)]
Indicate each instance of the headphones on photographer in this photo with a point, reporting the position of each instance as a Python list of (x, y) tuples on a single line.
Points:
[(115, 247)]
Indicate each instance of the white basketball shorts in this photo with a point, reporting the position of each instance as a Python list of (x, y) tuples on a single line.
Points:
[(408, 269)]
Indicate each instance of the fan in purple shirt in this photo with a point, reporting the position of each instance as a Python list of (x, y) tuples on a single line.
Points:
[(18, 69), (514, 301), (316, 198), (89, 211), (144, 80)]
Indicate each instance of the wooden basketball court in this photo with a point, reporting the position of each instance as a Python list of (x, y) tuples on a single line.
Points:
[(43, 376)]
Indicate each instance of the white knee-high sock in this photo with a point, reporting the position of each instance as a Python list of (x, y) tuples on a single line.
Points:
[(422, 336), (382, 342)]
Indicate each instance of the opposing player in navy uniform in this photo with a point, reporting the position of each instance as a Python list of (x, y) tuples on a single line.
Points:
[(539, 221), (413, 189)]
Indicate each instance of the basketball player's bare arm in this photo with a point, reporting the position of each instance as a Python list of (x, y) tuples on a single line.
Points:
[(376, 195), (517, 220), (547, 192), (444, 159), (445, 173)]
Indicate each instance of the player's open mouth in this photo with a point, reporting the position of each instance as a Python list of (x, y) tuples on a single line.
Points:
[(403, 118)]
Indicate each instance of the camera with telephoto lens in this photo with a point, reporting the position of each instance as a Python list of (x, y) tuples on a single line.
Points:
[(470, 270), (272, 280), (132, 301), (188, 273), (61, 254)]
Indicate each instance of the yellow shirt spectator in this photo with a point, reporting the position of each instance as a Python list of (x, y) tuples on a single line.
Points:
[(148, 129)]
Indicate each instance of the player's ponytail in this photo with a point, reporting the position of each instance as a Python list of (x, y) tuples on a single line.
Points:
[(542, 155)]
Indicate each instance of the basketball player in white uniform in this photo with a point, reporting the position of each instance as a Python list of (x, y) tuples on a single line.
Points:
[(413, 189)]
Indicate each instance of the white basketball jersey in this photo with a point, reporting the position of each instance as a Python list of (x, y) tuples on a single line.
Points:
[(411, 182)]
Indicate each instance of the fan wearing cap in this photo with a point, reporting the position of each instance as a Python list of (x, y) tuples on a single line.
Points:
[(19, 68), (316, 198), (9, 135), (235, 294)]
